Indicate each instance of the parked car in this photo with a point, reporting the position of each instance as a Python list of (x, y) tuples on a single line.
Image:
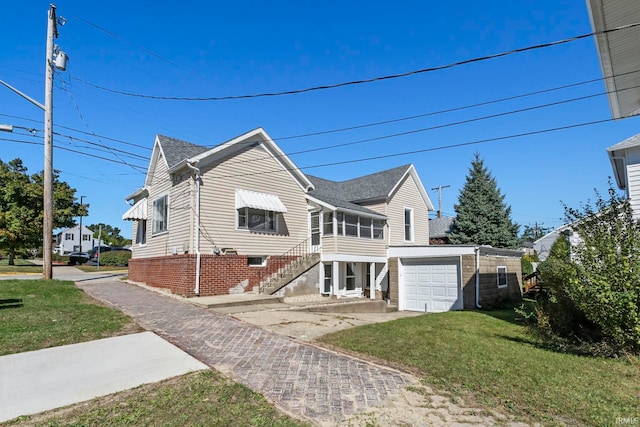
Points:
[(78, 258)]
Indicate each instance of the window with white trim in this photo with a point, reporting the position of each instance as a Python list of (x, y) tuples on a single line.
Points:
[(256, 219), (327, 229), (86, 237), (328, 274), (68, 236), (378, 228), (502, 276), (353, 225), (408, 224), (161, 214), (350, 276), (256, 261), (141, 232)]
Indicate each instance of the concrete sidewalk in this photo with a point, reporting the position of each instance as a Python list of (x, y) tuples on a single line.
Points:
[(41, 380)]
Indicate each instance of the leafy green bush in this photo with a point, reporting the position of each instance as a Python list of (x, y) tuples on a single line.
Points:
[(116, 258), (594, 286)]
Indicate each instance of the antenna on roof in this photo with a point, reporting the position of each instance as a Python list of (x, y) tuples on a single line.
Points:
[(439, 188)]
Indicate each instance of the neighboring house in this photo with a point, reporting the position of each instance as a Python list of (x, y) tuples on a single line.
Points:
[(439, 229), (68, 240), (543, 245), (625, 162), (242, 217)]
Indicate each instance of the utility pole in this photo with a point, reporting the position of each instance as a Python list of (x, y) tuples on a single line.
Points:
[(81, 197), (47, 196), (439, 189), (47, 226)]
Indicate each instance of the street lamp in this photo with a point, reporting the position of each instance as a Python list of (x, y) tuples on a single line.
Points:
[(81, 197), (55, 58)]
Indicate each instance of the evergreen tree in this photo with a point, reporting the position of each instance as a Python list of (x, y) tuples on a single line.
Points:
[(482, 217)]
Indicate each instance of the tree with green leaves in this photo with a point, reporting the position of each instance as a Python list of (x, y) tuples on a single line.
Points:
[(21, 207), (109, 235), (482, 216)]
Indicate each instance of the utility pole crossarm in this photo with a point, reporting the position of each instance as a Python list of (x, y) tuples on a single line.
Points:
[(439, 189)]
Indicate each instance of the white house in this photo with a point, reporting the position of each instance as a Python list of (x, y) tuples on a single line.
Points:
[(68, 240)]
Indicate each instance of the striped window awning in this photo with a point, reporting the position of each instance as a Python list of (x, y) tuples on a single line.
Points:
[(255, 200), (136, 212)]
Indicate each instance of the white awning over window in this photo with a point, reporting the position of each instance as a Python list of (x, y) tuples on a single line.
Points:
[(255, 200), (136, 212)]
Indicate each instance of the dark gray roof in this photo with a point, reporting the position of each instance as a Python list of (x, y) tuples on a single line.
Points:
[(345, 194), (440, 228), (176, 150)]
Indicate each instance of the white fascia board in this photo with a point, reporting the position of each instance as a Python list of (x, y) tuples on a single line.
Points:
[(352, 258), (411, 170), (321, 203), (157, 151), (346, 210), (499, 252), (440, 251), (140, 191)]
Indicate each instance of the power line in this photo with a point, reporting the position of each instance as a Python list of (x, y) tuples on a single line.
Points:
[(370, 80)]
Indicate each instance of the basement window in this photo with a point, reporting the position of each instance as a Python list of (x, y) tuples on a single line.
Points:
[(256, 261)]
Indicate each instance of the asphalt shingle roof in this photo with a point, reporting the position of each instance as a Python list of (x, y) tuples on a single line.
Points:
[(440, 228), (176, 150), (345, 194)]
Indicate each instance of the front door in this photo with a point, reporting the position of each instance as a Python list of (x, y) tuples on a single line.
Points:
[(352, 279), (315, 231)]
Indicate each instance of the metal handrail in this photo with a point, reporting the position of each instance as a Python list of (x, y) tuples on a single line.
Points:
[(286, 262)]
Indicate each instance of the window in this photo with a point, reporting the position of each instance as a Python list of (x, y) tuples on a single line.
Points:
[(351, 225), (68, 236), (340, 217), (86, 237), (315, 228), (160, 214), (328, 223), (502, 277), (365, 227), (408, 225), (328, 272), (256, 261), (378, 229), (141, 232), (256, 219), (350, 277)]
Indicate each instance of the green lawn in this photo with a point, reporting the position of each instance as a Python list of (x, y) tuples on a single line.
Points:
[(54, 313), (21, 266), (94, 268), (200, 398), (494, 362)]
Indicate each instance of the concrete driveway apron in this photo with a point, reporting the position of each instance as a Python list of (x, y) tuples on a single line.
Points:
[(304, 380)]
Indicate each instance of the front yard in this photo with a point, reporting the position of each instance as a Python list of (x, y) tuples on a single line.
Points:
[(21, 267), (489, 360)]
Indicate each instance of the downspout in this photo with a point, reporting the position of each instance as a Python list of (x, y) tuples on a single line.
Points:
[(477, 249), (196, 238)]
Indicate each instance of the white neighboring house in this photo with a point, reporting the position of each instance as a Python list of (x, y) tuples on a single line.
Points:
[(68, 240)]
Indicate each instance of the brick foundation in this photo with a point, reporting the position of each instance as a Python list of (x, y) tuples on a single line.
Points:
[(219, 274)]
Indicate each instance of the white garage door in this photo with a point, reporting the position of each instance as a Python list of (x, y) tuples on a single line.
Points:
[(430, 285)]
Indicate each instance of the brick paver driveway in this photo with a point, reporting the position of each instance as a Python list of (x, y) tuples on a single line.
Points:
[(302, 379)]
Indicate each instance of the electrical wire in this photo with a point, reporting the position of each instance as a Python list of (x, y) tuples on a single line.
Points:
[(369, 80)]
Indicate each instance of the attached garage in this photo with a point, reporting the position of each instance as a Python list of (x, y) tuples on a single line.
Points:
[(439, 278), (430, 285)]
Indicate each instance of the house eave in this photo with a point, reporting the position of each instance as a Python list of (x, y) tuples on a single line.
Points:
[(142, 191)]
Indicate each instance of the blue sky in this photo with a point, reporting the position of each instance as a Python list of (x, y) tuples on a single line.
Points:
[(213, 49)]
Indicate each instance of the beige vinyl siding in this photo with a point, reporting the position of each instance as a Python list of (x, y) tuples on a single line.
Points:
[(633, 183), (161, 184), (408, 196), (357, 246), (181, 213), (250, 170)]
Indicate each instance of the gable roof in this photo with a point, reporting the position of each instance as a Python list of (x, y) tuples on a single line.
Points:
[(177, 150), (617, 156), (376, 186), (439, 228)]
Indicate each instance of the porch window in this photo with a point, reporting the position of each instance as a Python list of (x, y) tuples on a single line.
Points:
[(351, 225), (378, 229), (350, 276), (160, 214), (408, 225), (315, 228), (340, 217), (328, 223), (502, 277), (365, 227)]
